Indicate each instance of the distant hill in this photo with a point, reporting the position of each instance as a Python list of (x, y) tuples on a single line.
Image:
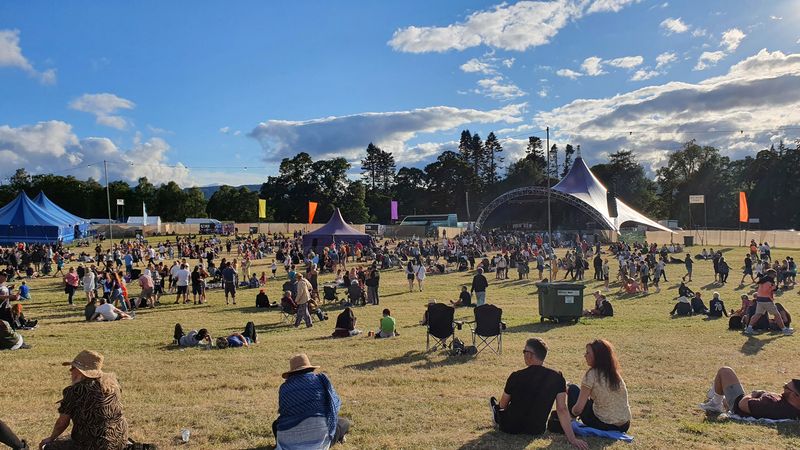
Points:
[(208, 191)]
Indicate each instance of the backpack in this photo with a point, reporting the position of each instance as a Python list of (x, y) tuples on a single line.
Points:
[(735, 323), (458, 348)]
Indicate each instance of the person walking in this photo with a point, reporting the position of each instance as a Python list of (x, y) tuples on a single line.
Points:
[(71, 282), (302, 298), (479, 285)]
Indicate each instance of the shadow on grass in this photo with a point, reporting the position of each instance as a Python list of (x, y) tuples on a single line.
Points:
[(537, 327), (409, 357), (496, 439), (753, 344), (784, 428)]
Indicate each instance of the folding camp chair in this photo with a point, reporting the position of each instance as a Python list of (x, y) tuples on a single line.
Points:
[(329, 294), (440, 325), (488, 328), (288, 314)]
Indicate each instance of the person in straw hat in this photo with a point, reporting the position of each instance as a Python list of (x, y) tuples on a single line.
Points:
[(92, 403), (308, 409)]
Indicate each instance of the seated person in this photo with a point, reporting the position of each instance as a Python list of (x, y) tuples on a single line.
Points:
[(24, 291), (698, 306), (253, 282), (601, 402), (263, 280), (424, 320), (243, 339), (10, 439), (717, 307), (388, 326), (464, 299), (308, 409), (355, 293), (345, 324), (19, 320), (193, 339), (528, 397), (602, 307), (684, 291), (288, 304), (630, 286), (89, 309), (10, 339), (109, 313), (682, 308), (787, 318), (262, 301), (313, 308), (728, 394)]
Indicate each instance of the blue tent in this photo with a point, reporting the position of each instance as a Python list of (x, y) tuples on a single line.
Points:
[(336, 230), (22, 220), (80, 226)]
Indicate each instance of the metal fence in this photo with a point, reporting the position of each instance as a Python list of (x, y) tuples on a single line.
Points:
[(728, 238)]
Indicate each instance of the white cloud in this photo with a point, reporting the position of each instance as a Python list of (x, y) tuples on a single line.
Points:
[(644, 74), (609, 5), (699, 32), (709, 59), (542, 92), (11, 56), (225, 130), (508, 62), (776, 17), (499, 89), (665, 58), (627, 62), (476, 65), (731, 39), (592, 66), (672, 25), (662, 117), (519, 26), (52, 147), (568, 73), (348, 136), (104, 107)]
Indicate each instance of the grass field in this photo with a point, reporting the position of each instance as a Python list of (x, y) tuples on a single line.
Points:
[(396, 394)]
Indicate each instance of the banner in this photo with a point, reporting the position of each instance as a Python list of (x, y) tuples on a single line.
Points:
[(312, 209), (743, 213), (394, 210), (262, 208), (144, 214), (694, 199)]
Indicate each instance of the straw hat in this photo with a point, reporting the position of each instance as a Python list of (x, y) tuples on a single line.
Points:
[(297, 363), (89, 363)]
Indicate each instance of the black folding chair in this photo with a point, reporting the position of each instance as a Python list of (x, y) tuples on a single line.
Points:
[(440, 325), (329, 294), (488, 328)]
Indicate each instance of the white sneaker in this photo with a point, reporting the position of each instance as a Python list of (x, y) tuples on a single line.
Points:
[(748, 330), (788, 331), (712, 406)]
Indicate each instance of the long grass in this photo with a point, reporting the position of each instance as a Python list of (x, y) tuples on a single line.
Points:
[(396, 394)]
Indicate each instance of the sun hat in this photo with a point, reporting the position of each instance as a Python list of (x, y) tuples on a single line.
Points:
[(297, 363), (87, 362)]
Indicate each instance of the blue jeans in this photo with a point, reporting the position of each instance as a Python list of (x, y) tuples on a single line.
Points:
[(480, 298)]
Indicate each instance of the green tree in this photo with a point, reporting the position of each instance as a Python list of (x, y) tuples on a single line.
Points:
[(353, 208), (626, 179), (568, 152), (493, 159)]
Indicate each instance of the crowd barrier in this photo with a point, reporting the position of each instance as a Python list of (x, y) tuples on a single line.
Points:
[(728, 238)]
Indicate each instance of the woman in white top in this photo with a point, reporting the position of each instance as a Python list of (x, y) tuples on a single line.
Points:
[(601, 402), (89, 284), (419, 273)]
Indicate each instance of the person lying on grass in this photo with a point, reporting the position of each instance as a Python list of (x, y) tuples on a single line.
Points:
[(109, 313), (529, 395), (244, 339), (191, 339), (728, 394)]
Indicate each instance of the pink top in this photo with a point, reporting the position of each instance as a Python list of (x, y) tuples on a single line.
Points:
[(71, 279)]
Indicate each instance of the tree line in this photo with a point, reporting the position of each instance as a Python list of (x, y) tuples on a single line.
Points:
[(458, 181)]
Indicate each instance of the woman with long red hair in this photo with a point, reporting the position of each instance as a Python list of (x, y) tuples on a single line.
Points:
[(602, 400)]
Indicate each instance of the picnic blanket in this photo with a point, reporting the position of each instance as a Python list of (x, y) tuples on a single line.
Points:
[(747, 419), (582, 430)]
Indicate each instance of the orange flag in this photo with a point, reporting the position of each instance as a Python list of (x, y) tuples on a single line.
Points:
[(312, 209), (743, 213)]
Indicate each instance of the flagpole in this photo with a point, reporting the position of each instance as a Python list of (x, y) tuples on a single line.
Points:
[(108, 201), (549, 225)]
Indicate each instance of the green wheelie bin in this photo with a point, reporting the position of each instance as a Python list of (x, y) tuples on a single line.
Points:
[(560, 302)]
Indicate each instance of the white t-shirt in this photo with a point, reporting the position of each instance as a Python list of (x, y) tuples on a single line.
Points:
[(106, 310), (173, 271), (183, 277), (89, 281)]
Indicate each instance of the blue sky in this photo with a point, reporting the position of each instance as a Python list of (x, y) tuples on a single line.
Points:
[(195, 91)]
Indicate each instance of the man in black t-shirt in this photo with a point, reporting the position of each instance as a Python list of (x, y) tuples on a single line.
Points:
[(529, 395)]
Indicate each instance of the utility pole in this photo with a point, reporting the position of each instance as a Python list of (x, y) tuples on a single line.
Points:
[(108, 200), (549, 226)]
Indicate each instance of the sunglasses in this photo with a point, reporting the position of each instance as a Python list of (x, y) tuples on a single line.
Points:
[(526, 351)]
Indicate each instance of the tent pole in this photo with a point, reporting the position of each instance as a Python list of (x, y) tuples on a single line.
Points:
[(108, 201)]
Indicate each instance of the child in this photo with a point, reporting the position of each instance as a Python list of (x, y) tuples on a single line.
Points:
[(24, 292), (388, 326)]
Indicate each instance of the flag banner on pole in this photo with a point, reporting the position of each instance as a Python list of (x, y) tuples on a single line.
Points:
[(262, 208), (312, 209), (743, 213), (395, 216), (144, 214)]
